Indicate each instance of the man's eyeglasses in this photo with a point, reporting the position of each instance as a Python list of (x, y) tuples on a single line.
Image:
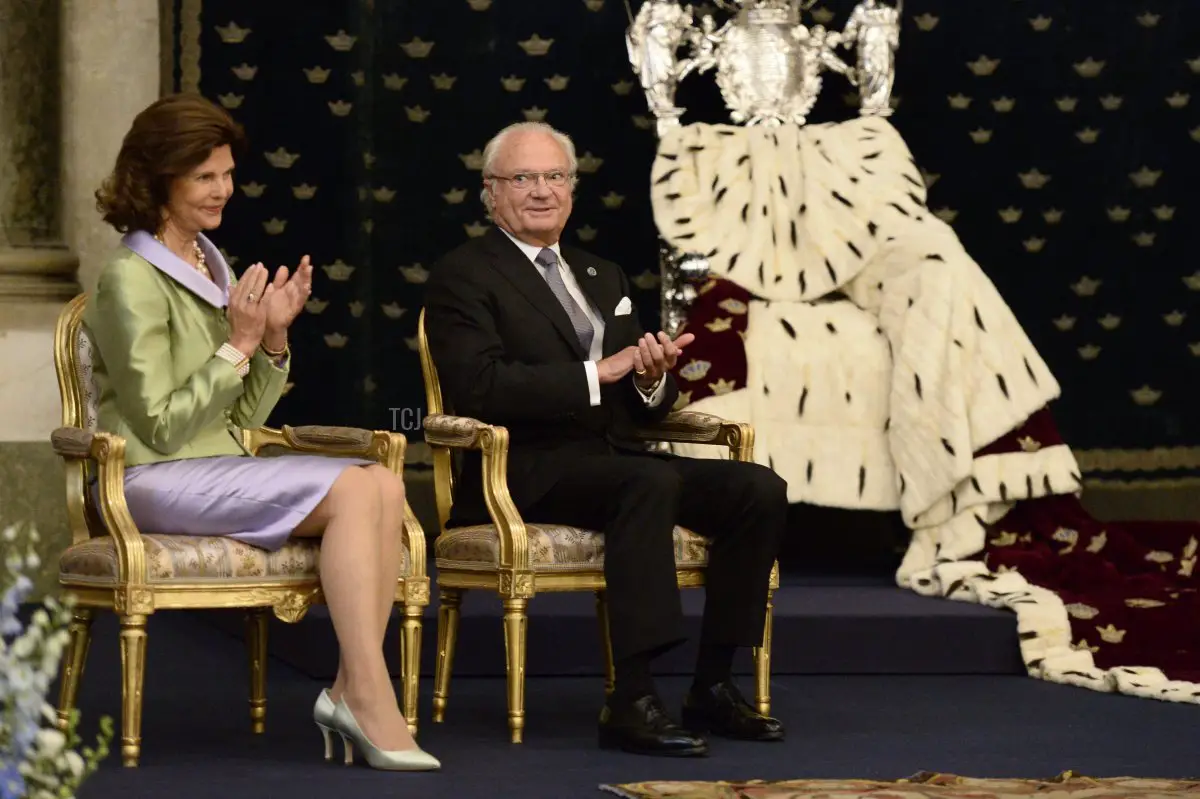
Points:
[(525, 181)]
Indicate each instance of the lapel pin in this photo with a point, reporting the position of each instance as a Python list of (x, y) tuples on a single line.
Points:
[(591, 271)]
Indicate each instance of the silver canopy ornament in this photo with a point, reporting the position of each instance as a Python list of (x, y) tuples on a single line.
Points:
[(874, 29), (768, 63)]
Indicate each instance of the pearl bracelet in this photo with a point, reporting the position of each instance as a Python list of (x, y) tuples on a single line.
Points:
[(234, 356)]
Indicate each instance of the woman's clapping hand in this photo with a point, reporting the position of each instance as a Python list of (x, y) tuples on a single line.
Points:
[(249, 301), (289, 296)]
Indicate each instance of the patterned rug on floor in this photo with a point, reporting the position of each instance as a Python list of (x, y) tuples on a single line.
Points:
[(925, 785)]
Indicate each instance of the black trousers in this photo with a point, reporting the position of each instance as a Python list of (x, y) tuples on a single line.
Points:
[(636, 500)]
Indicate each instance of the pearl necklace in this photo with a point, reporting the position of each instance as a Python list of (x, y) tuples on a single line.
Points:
[(201, 265)]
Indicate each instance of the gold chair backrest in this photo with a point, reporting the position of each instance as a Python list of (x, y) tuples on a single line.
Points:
[(443, 467), (74, 357)]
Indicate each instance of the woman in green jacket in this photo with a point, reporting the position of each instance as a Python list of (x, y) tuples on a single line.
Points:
[(186, 355)]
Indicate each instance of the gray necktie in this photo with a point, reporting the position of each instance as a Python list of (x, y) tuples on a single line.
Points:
[(583, 328)]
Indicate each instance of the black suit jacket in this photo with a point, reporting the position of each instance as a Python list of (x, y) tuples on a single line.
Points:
[(507, 355)]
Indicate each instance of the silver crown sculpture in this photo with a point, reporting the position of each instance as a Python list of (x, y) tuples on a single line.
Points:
[(769, 68)]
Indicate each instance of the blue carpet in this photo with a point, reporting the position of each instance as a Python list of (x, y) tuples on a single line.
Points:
[(197, 743), (849, 624)]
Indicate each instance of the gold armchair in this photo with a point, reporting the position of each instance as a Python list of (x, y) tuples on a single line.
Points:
[(517, 559), (111, 565)]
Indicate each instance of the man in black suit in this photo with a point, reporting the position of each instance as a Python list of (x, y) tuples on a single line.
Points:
[(544, 339)]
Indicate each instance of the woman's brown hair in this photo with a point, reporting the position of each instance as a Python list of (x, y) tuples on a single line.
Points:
[(167, 140)]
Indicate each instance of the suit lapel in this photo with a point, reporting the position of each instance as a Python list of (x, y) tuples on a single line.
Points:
[(519, 271), (580, 263)]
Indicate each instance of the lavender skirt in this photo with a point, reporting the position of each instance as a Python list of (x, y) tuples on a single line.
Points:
[(258, 501)]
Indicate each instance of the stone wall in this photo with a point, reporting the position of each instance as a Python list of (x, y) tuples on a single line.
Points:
[(29, 208), (111, 71), (73, 73), (34, 264)]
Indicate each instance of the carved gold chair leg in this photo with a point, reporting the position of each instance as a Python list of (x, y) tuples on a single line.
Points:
[(450, 599), (257, 620), (74, 661), (762, 661), (610, 677), (133, 673), (516, 623), (410, 662)]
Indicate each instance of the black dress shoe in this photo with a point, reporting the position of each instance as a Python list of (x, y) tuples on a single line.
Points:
[(642, 726), (722, 710)]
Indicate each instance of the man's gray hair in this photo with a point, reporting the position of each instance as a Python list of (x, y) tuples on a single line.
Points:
[(496, 144)]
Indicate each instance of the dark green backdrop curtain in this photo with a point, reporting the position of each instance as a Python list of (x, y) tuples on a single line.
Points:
[(1058, 137)]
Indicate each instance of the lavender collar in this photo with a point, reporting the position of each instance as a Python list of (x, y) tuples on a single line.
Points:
[(215, 292)]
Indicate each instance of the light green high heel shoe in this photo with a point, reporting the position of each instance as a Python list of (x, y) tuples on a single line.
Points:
[(396, 760), (323, 717)]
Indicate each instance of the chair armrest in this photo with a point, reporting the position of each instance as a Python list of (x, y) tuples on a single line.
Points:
[(462, 432), (691, 427), (384, 447), (414, 535), (72, 443), (318, 436), (76, 445)]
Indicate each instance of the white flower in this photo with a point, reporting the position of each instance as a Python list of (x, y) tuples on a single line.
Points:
[(54, 648), (37, 761), (22, 648), (74, 762), (50, 742)]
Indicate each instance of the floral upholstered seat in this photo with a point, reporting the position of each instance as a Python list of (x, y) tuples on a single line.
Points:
[(197, 559), (552, 548)]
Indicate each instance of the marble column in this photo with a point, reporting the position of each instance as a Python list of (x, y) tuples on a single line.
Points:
[(34, 263), (111, 71), (73, 73), (37, 272)]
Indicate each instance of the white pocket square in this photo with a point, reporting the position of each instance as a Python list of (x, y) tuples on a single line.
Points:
[(623, 307)]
